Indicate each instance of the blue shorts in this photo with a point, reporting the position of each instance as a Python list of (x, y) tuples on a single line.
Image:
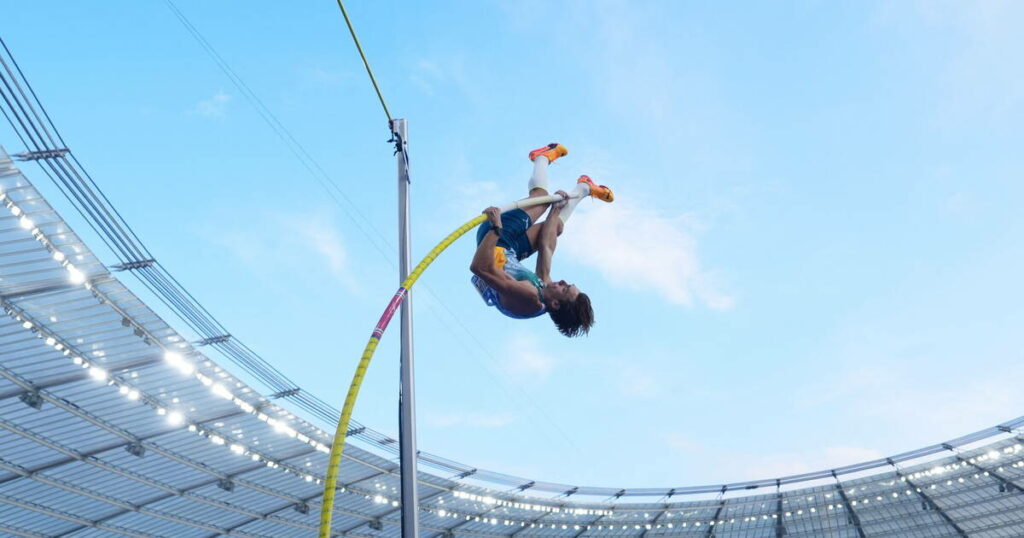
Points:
[(513, 236)]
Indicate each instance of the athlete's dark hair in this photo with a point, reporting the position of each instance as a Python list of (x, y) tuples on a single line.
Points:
[(574, 318)]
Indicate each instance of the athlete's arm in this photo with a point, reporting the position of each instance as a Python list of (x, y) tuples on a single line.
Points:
[(483, 258), (547, 240), (483, 267)]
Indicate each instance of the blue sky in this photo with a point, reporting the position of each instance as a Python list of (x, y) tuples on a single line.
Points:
[(814, 257)]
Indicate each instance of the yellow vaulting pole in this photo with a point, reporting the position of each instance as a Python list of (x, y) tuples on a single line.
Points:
[(338, 446)]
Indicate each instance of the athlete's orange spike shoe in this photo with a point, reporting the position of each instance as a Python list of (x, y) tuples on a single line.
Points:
[(552, 151), (597, 191)]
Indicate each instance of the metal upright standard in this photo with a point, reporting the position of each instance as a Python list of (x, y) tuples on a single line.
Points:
[(407, 397)]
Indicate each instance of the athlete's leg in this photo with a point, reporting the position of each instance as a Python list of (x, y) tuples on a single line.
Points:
[(581, 191), (534, 231), (538, 185), (584, 188)]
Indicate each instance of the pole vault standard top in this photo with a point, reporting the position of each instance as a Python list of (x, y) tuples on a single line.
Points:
[(338, 446)]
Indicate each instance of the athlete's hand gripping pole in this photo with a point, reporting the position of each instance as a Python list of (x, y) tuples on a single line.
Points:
[(338, 446)]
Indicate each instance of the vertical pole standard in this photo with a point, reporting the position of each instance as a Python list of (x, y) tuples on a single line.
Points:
[(407, 397)]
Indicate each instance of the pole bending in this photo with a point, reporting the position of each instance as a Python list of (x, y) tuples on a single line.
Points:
[(542, 234)]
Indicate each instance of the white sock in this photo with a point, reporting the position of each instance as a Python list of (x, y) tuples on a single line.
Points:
[(539, 179), (582, 190)]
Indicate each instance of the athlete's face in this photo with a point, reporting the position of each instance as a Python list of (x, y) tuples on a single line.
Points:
[(561, 291)]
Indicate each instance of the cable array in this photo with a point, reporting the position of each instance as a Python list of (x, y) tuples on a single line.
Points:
[(34, 127)]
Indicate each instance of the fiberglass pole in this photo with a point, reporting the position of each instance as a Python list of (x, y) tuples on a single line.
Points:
[(407, 397)]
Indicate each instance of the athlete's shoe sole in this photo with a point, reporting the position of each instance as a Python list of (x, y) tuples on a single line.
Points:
[(552, 151), (597, 191)]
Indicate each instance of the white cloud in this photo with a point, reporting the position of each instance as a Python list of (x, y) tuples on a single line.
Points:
[(471, 197), (846, 455), (760, 465), (681, 443), (526, 360), (676, 106), (958, 204), (319, 234), (214, 107), (325, 77), (985, 77), (773, 465), (449, 75), (638, 383), (952, 409), (293, 242), (982, 79), (426, 75), (638, 249)]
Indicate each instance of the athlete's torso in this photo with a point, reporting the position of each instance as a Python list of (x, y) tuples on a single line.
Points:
[(505, 259)]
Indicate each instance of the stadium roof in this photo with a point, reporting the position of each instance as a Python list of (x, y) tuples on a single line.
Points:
[(112, 423)]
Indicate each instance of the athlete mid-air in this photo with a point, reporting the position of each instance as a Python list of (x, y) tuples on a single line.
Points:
[(507, 239)]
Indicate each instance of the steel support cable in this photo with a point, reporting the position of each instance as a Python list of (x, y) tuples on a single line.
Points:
[(196, 305), (337, 447), (63, 185), (43, 133), (278, 383), (16, 120), (259, 368), (38, 126), (37, 146), (184, 309), (305, 158), (160, 282), (202, 326), (59, 184), (267, 377), (169, 298), (123, 235), (13, 128), (14, 80), (81, 197), (136, 253), (64, 144), (61, 188), (234, 346), (14, 110), (164, 286), (171, 293)]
